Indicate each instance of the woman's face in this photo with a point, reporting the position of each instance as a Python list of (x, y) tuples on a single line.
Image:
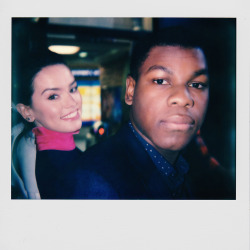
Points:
[(56, 101)]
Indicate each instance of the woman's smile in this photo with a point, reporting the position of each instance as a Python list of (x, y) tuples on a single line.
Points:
[(72, 116)]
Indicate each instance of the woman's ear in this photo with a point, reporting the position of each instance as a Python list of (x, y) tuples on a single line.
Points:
[(130, 89), (25, 112)]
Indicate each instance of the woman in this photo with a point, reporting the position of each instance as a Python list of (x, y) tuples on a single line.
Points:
[(52, 104)]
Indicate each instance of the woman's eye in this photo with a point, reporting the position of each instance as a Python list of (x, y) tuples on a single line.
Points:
[(197, 85), (160, 81), (74, 89), (53, 97)]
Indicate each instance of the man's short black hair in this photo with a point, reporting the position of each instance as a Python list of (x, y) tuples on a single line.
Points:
[(172, 36)]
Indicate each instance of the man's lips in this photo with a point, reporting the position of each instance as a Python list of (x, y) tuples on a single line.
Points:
[(178, 122), (180, 119)]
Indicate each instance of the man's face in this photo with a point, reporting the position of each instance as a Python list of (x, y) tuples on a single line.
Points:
[(170, 98)]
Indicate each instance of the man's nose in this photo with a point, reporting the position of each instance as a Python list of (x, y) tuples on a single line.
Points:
[(180, 96)]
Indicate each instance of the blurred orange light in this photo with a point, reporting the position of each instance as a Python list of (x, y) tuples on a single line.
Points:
[(101, 131)]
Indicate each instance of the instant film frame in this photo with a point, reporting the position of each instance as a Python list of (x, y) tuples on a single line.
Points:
[(200, 224)]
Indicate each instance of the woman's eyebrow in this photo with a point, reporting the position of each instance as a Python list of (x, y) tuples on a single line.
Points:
[(72, 83), (48, 89), (57, 89), (159, 67)]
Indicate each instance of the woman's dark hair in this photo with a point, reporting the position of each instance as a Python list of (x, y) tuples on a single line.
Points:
[(22, 88), (172, 36), (32, 65)]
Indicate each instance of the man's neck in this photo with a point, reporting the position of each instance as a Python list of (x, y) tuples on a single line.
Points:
[(169, 155)]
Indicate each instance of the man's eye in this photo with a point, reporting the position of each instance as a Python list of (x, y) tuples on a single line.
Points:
[(198, 85), (160, 81), (74, 89), (53, 97)]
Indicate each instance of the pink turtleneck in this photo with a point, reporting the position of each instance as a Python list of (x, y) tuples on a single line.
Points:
[(51, 140)]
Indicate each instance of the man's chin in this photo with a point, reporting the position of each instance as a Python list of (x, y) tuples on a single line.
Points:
[(173, 145)]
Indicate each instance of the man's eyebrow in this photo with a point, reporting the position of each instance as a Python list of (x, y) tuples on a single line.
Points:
[(57, 89), (201, 72), (159, 67)]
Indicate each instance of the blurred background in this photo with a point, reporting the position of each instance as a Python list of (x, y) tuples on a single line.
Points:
[(97, 50)]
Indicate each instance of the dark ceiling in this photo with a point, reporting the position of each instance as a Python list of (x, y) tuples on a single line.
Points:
[(103, 45)]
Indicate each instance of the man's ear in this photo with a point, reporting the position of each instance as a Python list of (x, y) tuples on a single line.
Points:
[(25, 112), (130, 89)]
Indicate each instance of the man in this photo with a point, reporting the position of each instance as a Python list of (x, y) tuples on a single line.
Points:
[(167, 91)]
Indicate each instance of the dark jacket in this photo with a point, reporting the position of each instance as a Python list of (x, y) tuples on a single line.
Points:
[(55, 173), (120, 168)]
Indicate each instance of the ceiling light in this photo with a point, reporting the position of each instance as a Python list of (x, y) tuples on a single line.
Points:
[(64, 50), (83, 54)]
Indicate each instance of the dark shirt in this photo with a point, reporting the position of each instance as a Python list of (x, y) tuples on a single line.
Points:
[(174, 175)]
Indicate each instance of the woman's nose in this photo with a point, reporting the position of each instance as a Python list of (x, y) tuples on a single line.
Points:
[(69, 100), (181, 97)]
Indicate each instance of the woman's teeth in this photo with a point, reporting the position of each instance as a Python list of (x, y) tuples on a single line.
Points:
[(70, 115)]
